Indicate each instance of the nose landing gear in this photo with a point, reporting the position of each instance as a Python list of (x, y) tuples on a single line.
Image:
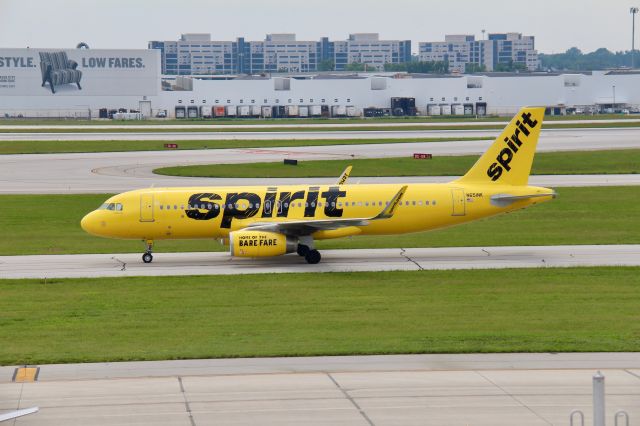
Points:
[(147, 257)]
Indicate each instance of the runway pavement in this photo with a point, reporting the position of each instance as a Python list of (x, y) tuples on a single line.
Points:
[(599, 133), (410, 259), (466, 389), (260, 124), (121, 171)]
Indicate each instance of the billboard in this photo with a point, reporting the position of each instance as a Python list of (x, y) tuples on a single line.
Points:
[(79, 72)]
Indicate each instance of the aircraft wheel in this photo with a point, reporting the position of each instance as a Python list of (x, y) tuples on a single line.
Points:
[(313, 257), (302, 250), (147, 258)]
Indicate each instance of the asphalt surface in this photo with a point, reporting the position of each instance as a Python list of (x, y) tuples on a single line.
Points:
[(592, 134), (121, 171), (257, 124), (468, 389), (411, 259)]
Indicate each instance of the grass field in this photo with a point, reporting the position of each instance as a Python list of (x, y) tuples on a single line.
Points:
[(146, 318), (575, 162), (276, 128), (50, 224), (42, 147)]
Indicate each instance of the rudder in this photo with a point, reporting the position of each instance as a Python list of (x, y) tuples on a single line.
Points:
[(508, 160)]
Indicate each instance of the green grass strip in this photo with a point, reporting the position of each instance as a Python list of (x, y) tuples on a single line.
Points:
[(561, 163), (50, 224), (52, 147), (155, 318)]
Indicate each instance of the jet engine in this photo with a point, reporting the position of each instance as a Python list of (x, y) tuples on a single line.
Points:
[(260, 244)]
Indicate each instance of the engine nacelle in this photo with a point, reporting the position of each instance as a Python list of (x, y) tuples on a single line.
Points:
[(260, 244)]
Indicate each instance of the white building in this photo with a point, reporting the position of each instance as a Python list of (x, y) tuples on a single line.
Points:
[(460, 50), (131, 80), (282, 52), (196, 54), (367, 48)]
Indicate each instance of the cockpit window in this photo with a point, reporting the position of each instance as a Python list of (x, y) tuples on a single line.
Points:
[(111, 206)]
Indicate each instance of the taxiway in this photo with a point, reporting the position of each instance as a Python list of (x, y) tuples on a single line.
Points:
[(479, 389), (121, 171), (410, 259)]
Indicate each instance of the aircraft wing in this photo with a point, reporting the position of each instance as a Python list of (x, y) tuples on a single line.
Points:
[(19, 413), (307, 227)]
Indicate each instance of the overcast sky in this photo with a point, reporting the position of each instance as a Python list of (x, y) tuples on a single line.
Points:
[(556, 24)]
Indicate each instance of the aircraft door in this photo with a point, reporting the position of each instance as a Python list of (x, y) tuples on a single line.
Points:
[(146, 208), (459, 206)]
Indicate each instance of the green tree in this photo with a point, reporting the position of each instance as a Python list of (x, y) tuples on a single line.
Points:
[(510, 66), (435, 67), (326, 65), (356, 66), (473, 67), (574, 60)]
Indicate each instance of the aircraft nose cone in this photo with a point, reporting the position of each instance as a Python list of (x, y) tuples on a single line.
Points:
[(89, 223)]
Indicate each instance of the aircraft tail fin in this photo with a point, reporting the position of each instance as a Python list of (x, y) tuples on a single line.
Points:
[(508, 160)]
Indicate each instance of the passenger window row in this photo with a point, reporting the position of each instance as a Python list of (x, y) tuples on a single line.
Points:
[(277, 204)]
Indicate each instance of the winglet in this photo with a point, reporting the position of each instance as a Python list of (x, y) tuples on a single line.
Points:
[(344, 176), (388, 211)]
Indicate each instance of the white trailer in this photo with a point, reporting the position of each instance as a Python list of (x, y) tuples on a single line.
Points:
[(303, 111), (256, 110), (266, 112), (315, 110), (293, 110), (338, 111), (232, 110), (244, 110), (433, 109)]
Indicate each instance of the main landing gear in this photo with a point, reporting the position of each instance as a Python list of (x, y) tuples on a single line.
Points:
[(312, 256), (147, 257)]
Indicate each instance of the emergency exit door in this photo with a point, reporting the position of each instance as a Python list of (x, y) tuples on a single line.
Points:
[(146, 208), (459, 207)]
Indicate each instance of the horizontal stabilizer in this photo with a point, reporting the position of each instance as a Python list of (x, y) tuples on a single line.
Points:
[(503, 200)]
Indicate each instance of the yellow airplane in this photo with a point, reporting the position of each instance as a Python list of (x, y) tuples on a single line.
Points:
[(260, 221)]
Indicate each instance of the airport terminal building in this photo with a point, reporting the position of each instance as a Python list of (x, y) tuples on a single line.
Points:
[(94, 83)]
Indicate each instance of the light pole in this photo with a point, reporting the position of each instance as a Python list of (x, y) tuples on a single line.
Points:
[(633, 12)]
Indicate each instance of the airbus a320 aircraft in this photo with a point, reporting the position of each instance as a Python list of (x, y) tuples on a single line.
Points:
[(259, 221)]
